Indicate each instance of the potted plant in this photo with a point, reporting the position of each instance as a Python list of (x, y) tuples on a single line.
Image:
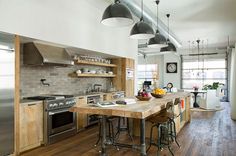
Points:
[(214, 86)]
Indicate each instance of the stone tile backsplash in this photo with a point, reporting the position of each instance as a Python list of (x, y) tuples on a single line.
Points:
[(57, 77)]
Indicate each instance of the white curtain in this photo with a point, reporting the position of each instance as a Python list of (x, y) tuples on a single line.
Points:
[(233, 85)]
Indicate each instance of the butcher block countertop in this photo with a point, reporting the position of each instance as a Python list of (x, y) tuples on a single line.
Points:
[(139, 110)]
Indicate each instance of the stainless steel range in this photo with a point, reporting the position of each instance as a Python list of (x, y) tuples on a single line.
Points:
[(59, 123)]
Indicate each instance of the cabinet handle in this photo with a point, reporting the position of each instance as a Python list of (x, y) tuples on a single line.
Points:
[(32, 104)]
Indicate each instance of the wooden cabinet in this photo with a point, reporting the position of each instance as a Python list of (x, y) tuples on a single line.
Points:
[(124, 72), (177, 120), (81, 118), (180, 121), (129, 63), (31, 126)]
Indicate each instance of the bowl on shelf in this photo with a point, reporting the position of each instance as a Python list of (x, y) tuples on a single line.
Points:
[(158, 95), (142, 98), (92, 72)]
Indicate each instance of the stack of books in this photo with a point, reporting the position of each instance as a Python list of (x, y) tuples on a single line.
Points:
[(126, 101)]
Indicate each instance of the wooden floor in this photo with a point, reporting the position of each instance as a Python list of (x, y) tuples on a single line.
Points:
[(209, 134)]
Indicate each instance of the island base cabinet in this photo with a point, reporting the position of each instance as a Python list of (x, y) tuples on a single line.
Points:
[(31, 126), (81, 118), (180, 121)]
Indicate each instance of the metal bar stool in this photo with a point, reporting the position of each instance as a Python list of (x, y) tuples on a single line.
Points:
[(111, 134), (164, 125), (125, 127), (172, 116)]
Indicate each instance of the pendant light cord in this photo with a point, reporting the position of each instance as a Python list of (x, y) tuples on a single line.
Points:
[(203, 63), (168, 21), (198, 41), (157, 2), (141, 19)]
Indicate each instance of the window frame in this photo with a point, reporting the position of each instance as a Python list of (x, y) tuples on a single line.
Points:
[(203, 70), (145, 71)]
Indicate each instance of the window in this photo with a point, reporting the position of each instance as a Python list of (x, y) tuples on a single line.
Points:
[(147, 72), (200, 73)]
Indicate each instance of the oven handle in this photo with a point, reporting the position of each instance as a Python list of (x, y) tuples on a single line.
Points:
[(57, 112)]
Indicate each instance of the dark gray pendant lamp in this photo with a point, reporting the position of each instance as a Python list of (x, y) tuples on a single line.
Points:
[(159, 41), (117, 15), (141, 30), (171, 47)]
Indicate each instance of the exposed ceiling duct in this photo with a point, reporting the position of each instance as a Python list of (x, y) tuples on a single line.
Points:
[(202, 54), (148, 15)]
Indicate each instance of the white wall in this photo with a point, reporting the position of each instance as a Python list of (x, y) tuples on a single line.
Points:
[(155, 59), (233, 84), (174, 78), (74, 23), (161, 60)]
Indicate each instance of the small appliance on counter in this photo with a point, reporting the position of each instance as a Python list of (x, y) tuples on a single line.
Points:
[(146, 86)]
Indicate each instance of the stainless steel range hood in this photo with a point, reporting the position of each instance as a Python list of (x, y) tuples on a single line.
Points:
[(42, 54)]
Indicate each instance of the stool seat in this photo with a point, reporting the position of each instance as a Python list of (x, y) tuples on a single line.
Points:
[(168, 114), (159, 119)]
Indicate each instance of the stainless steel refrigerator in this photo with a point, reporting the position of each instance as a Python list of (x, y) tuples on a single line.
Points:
[(7, 85)]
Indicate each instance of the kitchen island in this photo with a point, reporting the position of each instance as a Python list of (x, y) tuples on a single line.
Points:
[(141, 110)]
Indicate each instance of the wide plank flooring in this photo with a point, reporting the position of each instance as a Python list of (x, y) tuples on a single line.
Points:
[(208, 134)]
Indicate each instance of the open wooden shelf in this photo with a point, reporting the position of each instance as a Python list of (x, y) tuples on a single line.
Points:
[(91, 75), (95, 63)]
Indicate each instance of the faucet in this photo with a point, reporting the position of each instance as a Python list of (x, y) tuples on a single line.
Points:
[(44, 83), (96, 85)]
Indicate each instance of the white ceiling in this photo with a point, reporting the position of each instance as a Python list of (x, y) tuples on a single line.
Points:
[(212, 20)]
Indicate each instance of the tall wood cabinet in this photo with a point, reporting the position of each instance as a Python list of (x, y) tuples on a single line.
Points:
[(31, 126), (124, 79)]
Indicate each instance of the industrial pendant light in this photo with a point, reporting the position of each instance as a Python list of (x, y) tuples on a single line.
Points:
[(171, 47), (141, 30), (159, 41), (117, 15)]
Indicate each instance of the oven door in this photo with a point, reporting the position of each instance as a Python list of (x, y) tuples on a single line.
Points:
[(61, 120)]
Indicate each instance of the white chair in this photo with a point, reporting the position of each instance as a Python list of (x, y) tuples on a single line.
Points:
[(210, 100)]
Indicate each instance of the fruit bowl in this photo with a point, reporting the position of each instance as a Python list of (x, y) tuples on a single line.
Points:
[(158, 95), (143, 98)]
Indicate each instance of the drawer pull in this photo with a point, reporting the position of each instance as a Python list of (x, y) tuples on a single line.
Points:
[(32, 104)]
